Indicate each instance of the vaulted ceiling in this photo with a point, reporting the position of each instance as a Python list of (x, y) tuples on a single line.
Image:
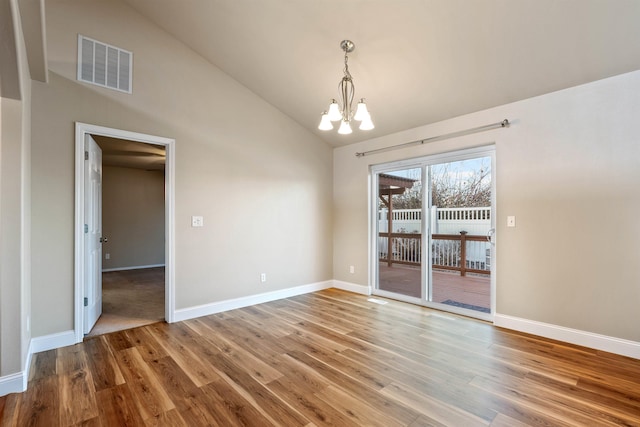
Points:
[(416, 61)]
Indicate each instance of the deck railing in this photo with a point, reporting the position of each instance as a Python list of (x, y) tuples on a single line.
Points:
[(447, 251)]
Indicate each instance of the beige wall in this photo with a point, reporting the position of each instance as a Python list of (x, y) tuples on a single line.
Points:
[(10, 239), (132, 217), (567, 168), (15, 290), (262, 183)]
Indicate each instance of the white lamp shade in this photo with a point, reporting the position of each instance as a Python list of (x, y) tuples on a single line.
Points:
[(334, 111), (361, 111), (325, 123), (367, 123), (345, 128)]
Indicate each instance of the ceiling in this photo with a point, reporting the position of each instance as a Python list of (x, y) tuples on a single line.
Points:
[(131, 154), (416, 61)]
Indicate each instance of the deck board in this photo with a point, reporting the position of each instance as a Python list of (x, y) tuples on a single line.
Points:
[(473, 290)]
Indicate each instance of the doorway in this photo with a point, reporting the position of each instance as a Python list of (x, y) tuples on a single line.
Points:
[(433, 231), (133, 208), (84, 295)]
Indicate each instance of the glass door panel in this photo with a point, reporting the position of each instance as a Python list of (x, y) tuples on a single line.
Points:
[(399, 232), (460, 212)]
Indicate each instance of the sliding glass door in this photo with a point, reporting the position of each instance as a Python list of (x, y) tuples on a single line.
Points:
[(433, 231)]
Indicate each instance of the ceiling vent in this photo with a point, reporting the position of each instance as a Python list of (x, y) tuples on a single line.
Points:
[(104, 65)]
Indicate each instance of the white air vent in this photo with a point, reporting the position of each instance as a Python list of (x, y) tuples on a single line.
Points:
[(104, 65)]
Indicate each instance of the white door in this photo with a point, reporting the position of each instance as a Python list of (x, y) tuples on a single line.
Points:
[(93, 233)]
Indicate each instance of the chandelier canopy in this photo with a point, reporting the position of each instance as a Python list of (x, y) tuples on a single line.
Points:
[(343, 111)]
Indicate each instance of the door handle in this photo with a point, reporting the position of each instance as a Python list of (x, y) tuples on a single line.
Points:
[(490, 234)]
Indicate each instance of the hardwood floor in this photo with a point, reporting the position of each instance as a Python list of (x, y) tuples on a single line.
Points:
[(328, 358)]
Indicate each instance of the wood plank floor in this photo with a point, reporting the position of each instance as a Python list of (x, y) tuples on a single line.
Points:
[(330, 358)]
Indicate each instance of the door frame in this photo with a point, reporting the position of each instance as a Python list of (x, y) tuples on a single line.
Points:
[(488, 150), (81, 129)]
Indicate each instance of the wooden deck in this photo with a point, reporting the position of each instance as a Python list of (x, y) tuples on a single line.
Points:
[(447, 286)]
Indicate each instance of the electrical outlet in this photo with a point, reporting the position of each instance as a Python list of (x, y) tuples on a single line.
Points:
[(197, 221), (352, 269), (263, 277), (107, 256)]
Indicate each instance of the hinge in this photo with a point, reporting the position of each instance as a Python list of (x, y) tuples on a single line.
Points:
[(86, 301), (86, 228), (86, 155)]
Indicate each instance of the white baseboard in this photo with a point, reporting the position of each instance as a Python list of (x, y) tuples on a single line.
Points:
[(572, 336), (49, 342), (352, 287), (13, 383), (135, 267), (231, 304)]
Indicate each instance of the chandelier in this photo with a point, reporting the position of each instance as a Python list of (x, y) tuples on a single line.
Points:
[(344, 110)]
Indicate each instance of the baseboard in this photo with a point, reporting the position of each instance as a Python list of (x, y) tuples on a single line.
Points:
[(135, 267), (49, 342), (352, 287), (231, 304), (13, 383), (572, 336), (17, 383)]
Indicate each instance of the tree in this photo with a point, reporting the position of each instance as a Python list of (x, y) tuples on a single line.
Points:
[(453, 186)]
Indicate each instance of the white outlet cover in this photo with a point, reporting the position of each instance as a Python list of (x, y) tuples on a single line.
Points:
[(197, 221)]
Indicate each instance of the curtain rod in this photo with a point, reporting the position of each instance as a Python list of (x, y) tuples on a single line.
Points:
[(502, 124)]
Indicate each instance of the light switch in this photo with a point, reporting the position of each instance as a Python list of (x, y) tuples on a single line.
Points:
[(197, 221), (511, 221)]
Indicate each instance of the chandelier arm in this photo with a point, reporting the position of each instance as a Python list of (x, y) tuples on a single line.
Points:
[(343, 98), (351, 94), (346, 88)]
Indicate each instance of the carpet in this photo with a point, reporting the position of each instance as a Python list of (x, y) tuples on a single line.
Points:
[(467, 306), (130, 298)]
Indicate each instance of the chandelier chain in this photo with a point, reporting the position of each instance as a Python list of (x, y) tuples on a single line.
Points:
[(346, 65)]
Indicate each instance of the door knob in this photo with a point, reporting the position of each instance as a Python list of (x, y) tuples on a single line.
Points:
[(103, 240)]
